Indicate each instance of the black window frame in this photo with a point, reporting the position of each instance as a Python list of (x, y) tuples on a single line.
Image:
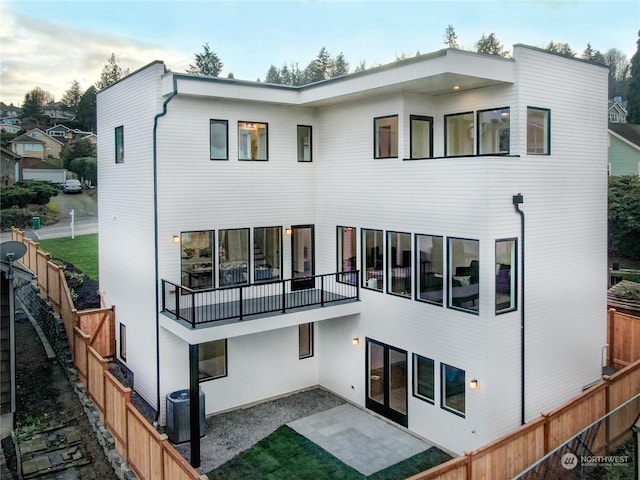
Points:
[(226, 124), (212, 241), (479, 133), (421, 118), (548, 132), (451, 274), (226, 361), (253, 255), (221, 272), (446, 134), (302, 160), (119, 144), (416, 383), (391, 266), (350, 277), (418, 270), (513, 275), (376, 140), (364, 264), (443, 387), (266, 159), (123, 342), (302, 356)]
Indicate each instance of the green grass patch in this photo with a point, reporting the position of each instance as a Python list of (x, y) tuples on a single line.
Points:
[(82, 252), (287, 455)]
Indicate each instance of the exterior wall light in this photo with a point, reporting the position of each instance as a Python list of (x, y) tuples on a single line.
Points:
[(474, 384), (176, 239), (355, 340), (288, 230)]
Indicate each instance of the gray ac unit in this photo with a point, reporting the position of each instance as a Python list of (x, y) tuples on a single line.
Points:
[(178, 425)]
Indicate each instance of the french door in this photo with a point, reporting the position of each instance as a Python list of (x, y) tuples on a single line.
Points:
[(302, 256), (387, 381)]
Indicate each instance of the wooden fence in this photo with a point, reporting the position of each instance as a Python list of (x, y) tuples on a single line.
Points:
[(624, 338), (91, 335)]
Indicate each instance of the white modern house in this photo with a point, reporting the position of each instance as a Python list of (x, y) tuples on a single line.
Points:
[(426, 239)]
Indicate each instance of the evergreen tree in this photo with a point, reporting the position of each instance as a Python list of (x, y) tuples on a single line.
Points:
[(273, 75), (339, 66), (111, 73), (206, 63), (362, 66), (285, 75), (491, 45), (86, 115), (450, 37), (593, 55), (561, 48), (71, 98), (230, 75), (319, 68), (633, 88)]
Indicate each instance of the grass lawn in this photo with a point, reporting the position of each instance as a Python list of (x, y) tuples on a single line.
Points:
[(82, 252), (287, 455)]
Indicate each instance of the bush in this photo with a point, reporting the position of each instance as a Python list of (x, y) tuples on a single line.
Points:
[(624, 216), (15, 217), (43, 190), (16, 196), (86, 168)]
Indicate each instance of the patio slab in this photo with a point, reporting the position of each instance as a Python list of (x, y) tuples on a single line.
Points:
[(359, 439)]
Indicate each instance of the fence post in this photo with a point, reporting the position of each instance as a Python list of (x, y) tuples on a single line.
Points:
[(468, 455), (545, 432), (607, 403), (611, 314)]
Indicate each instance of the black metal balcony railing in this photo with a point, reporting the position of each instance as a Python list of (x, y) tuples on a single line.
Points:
[(198, 307)]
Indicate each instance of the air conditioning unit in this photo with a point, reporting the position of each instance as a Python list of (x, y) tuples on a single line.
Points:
[(178, 423)]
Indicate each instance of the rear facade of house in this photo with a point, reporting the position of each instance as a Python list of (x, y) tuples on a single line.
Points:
[(426, 239)]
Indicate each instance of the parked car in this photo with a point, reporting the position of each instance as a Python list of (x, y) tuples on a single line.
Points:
[(72, 186)]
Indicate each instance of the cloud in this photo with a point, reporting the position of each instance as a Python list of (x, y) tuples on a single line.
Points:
[(40, 53)]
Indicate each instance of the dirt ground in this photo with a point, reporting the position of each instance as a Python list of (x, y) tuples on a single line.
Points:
[(45, 398)]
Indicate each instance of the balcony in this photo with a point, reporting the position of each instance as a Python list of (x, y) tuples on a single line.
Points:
[(201, 308)]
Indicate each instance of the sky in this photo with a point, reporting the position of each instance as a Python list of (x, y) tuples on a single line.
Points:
[(51, 43)]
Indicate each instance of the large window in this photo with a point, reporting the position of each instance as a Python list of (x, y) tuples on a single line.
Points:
[(233, 247), (119, 133), (506, 275), (399, 263), (212, 360), (538, 131), (494, 131), (304, 143), (464, 273), (219, 139), (372, 259), (421, 136), (385, 137), (196, 259), (253, 139), (305, 340), (453, 389), (347, 254), (458, 132), (267, 256), (423, 378), (430, 268)]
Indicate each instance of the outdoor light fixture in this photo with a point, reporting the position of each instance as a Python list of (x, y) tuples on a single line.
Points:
[(475, 384), (288, 230), (176, 239), (355, 340), (456, 87)]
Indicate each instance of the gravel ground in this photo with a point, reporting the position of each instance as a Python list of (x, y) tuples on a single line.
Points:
[(232, 432)]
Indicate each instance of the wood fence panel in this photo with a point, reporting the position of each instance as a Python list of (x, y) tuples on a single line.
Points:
[(509, 455), (42, 267), (80, 344), (454, 469), (576, 415), (144, 447), (96, 366), (99, 324), (176, 467), (116, 398), (625, 343), (54, 290), (31, 256)]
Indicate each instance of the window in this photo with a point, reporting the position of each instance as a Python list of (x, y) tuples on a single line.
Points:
[(233, 248), (347, 254), (304, 143), (421, 136), (538, 131), (458, 133), (219, 138), (196, 259), (464, 273), (453, 389), (385, 137), (305, 340), (493, 131), (212, 360), (372, 259), (253, 141), (267, 258), (399, 263), (123, 342), (423, 378), (119, 133), (430, 268), (506, 275)]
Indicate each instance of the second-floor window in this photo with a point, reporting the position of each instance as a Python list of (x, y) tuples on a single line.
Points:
[(399, 263), (304, 143), (538, 131), (430, 271), (253, 141), (119, 134), (385, 137), (372, 259), (233, 247), (347, 254), (421, 135), (464, 274), (458, 132), (493, 131), (219, 139)]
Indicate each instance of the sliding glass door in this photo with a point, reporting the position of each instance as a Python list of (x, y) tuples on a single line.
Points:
[(302, 256), (387, 381)]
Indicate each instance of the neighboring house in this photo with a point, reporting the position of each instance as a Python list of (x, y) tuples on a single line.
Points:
[(9, 114), (36, 143), (10, 128), (66, 135), (9, 167), (422, 175), (617, 110), (57, 112), (624, 149), (37, 169)]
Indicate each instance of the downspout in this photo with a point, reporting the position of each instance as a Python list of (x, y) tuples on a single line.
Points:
[(517, 200), (156, 237)]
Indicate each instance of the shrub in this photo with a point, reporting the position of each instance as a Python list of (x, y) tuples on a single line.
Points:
[(86, 168), (74, 279), (16, 196), (624, 216), (43, 190), (15, 217)]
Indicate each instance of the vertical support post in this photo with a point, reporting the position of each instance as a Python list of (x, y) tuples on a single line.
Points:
[(610, 335), (240, 306), (194, 405), (284, 295), (322, 290)]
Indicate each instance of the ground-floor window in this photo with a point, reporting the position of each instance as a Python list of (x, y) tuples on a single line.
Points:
[(506, 275), (123, 341), (212, 360), (453, 389), (305, 340), (423, 378)]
